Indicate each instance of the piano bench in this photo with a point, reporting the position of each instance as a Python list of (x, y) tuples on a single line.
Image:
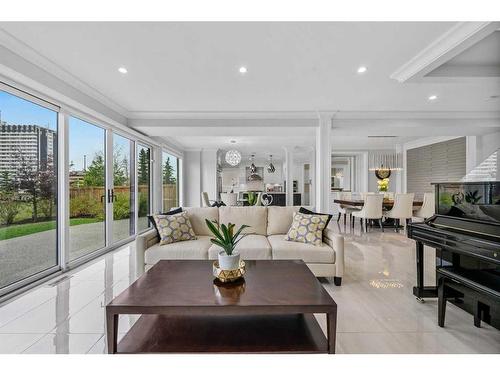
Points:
[(450, 289)]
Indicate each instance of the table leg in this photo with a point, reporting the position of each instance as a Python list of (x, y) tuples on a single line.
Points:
[(331, 327), (111, 331)]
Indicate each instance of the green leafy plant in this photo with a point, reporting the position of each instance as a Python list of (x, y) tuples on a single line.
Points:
[(225, 237), (252, 198), (471, 197)]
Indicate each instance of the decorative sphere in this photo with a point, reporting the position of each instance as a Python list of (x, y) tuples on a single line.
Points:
[(233, 157)]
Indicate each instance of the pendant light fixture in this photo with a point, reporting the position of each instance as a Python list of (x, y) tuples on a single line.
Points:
[(270, 167), (233, 157), (253, 168)]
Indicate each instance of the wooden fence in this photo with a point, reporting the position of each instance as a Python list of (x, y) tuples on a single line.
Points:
[(95, 193)]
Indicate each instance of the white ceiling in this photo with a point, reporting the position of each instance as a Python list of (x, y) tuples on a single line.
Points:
[(183, 85), (291, 66), (481, 59)]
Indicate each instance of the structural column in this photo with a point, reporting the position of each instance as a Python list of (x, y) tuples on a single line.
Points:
[(289, 176), (323, 162)]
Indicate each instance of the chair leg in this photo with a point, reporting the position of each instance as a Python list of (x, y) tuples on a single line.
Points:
[(345, 218), (338, 218), (441, 303), (380, 224)]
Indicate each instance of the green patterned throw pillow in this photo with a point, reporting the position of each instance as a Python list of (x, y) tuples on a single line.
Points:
[(174, 228), (307, 228)]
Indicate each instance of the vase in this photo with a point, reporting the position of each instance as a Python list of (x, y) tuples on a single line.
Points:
[(229, 262)]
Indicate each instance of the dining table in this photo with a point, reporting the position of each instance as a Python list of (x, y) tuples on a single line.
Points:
[(387, 204)]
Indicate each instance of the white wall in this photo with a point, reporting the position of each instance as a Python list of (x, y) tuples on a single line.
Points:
[(486, 145), (209, 172), (192, 178), (200, 174)]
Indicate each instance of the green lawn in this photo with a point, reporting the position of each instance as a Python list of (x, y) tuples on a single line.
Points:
[(30, 228)]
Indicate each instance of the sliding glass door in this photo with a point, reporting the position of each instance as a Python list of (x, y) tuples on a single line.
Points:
[(106, 177), (28, 189), (143, 186), (170, 181), (123, 188), (87, 188)]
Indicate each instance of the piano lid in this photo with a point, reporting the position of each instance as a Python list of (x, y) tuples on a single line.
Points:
[(479, 201)]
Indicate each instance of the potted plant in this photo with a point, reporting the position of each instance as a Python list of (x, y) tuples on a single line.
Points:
[(226, 238)]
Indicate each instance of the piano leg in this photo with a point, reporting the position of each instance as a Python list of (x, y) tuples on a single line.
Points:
[(420, 291), (441, 302)]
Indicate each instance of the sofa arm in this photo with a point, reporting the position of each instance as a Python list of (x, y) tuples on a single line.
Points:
[(336, 241), (142, 242)]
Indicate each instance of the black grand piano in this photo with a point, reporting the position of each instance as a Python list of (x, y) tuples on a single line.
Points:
[(465, 231)]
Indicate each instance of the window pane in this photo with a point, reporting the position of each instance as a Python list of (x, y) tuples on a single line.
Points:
[(170, 182), (28, 188), (123, 222), (87, 178), (143, 188)]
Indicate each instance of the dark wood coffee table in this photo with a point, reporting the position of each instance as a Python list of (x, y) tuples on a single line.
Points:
[(184, 311)]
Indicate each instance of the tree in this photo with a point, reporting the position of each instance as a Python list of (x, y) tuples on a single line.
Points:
[(47, 184), (7, 183), (120, 168), (143, 167), (168, 173), (9, 202), (95, 176), (28, 179)]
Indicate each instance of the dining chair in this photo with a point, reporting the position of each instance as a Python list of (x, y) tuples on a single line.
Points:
[(428, 207), (205, 199), (402, 208), (258, 200), (372, 210), (229, 199), (345, 209)]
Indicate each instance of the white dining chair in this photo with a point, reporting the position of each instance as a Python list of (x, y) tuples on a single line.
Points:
[(258, 201), (428, 207), (229, 199), (205, 199), (372, 210), (344, 209), (402, 208)]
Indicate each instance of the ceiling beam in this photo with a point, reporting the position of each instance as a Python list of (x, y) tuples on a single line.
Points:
[(460, 37)]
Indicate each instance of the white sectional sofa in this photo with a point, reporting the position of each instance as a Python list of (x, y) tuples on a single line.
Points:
[(264, 240)]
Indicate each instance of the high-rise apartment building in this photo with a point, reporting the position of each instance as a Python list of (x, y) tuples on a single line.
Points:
[(35, 143)]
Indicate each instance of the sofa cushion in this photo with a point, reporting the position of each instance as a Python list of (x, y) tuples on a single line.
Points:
[(254, 216), (174, 228), (283, 249), (307, 228), (197, 216), (195, 249), (279, 219), (251, 247), (152, 221)]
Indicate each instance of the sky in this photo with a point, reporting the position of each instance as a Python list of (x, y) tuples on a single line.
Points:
[(85, 139)]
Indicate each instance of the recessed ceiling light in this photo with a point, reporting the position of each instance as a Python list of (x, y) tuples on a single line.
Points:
[(243, 70), (362, 69), (122, 70), (433, 97)]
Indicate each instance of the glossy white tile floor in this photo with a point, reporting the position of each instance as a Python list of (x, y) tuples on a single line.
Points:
[(377, 312)]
